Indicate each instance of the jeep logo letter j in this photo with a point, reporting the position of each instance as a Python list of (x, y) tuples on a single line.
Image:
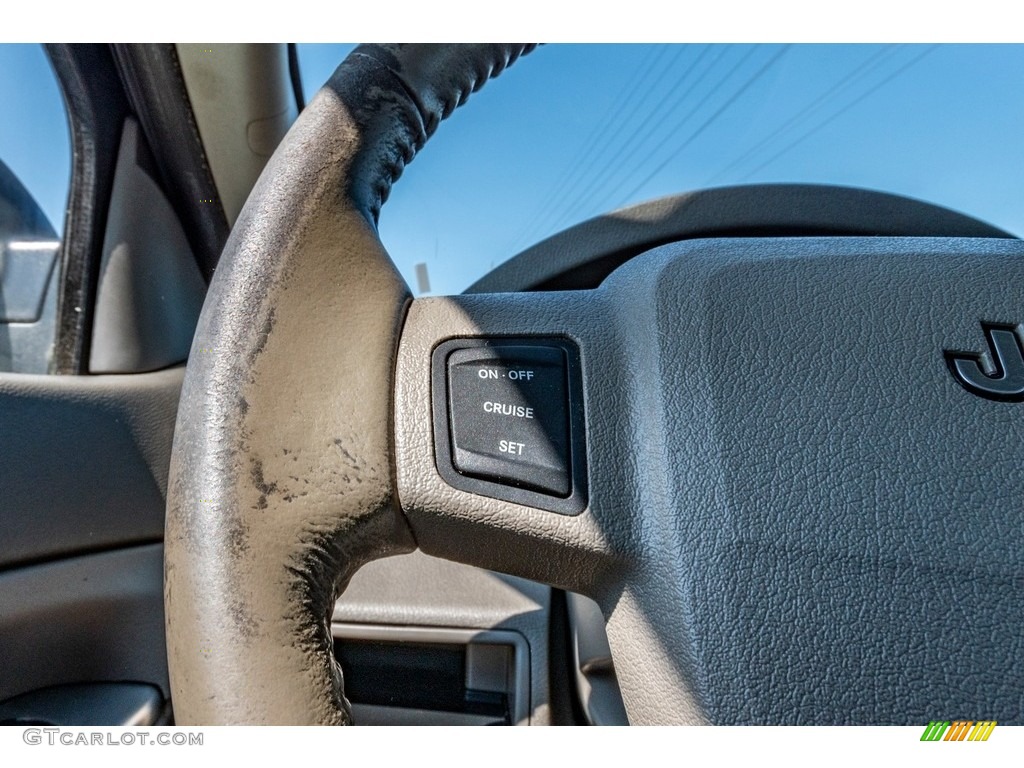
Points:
[(1004, 377)]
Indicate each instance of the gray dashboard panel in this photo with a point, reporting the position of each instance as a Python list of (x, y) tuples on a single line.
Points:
[(149, 289), (84, 620), (417, 590), (84, 461), (583, 255)]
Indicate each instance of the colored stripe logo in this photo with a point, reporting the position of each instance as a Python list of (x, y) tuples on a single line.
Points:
[(958, 730)]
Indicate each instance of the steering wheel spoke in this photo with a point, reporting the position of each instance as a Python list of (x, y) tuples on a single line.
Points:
[(528, 534), (603, 550)]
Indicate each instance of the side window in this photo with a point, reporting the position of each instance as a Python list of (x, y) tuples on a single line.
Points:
[(35, 174)]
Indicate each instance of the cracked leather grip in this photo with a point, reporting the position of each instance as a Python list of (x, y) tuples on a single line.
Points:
[(400, 94)]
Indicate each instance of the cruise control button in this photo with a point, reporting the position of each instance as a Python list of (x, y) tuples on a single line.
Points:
[(508, 407)]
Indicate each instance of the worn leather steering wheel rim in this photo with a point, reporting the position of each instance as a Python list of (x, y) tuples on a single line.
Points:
[(247, 642), (302, 450)]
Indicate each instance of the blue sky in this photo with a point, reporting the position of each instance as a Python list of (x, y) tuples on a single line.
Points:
[(575, 130), (34, 139)]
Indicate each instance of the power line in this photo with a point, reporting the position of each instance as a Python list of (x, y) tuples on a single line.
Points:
[(830, 93), (628, 112), (842, 111), (648, 125), (707, 123), (616, 108)]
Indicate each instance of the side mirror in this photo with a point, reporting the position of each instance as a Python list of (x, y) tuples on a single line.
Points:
[(28, 279)]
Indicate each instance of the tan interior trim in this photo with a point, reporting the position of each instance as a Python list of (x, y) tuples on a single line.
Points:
[(243, 101)]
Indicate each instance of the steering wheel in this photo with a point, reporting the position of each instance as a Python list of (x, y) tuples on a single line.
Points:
[(788, 487)]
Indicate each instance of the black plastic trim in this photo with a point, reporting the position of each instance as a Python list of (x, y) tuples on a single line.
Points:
[(564, 703), (156, 89), (295, 72), (115, 704), (582, 256), (96, 108), (576, 501)]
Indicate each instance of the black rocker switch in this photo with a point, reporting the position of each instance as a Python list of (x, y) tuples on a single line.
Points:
[(509, 413)]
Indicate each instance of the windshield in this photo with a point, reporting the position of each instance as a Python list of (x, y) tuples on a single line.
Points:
[(574, 131)]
